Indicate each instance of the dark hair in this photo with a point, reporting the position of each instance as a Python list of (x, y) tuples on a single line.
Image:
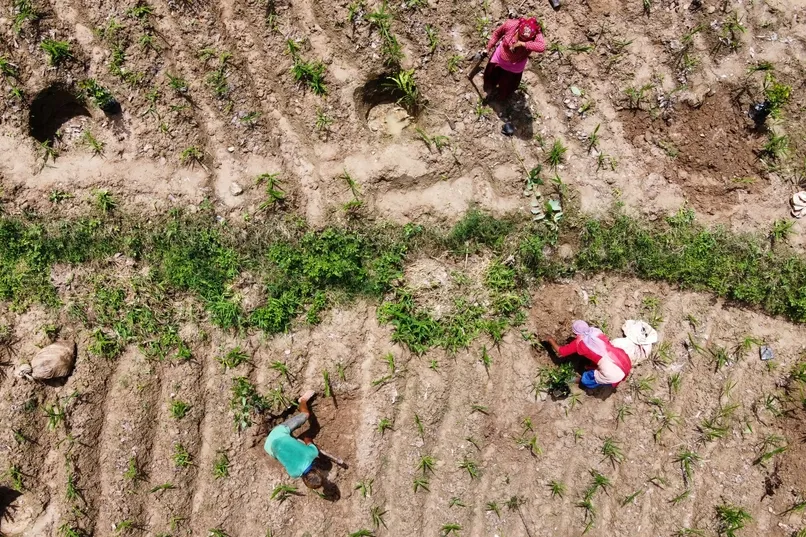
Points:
[(313, 479)]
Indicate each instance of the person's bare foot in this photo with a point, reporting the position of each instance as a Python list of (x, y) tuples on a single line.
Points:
[(307, 396)]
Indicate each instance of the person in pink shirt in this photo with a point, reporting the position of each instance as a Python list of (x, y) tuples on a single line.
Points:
[(612, 364), (510, 46)]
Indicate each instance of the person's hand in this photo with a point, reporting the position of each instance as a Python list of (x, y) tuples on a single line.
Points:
[(516, 45), (306, 396)]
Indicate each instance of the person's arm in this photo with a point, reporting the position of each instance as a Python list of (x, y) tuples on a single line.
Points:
[(538, 44), (565, 350), (499, 33)]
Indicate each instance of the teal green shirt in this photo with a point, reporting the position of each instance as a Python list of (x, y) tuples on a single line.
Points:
[(293, 454)]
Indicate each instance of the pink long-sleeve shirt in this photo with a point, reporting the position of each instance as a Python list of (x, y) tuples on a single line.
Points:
[(504, 56), (610, 369)]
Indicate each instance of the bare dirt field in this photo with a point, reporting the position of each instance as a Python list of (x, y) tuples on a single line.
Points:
[(648, 103)]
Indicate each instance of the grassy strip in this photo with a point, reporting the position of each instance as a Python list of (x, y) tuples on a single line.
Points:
[(305, 271)]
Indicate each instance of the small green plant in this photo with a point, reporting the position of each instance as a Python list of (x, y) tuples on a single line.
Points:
[(323, 121), (217, 532), (178, 84), (178, 409), (221, 466), (471, 467), (631, 498), (450, 529), (427, 464), (556, 380), (556, 155), (191, 155), (593, 139), (453, 63), (57, 51), (688, 460), (421, 482), (776, 147), (97, 93), (55, 416), (327, 392), (132, 473), (66, 530), (492, 507), (22, 11), (404, 82), (365, 487), (432, 35), (557, 488), (124, 526), (612, 452), (456, 502), (377, 513), (233, 358), (160, 488), (636, 96), (14, 474), (93, 143), (381, 19), (680, 498), (775, 93), (275, 194), (181, 457), (731, 519), (104, 200), (383, 425), (282, 492)]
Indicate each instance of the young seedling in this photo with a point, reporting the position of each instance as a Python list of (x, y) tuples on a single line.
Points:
[(456, 502), (365, 487), (470, 466), (14, 474), (450, 529), (132, 473), (453, 63), (432, 34), (273, 191), (593, 139), (93, 143), (421, 483), (557, 488), (674, 381), (323, 121), (55, 416), (181, 457), (486, 359), (383, 425), (191, 156), (178, 409), (556, 155), (631, 498), (481, 409), (377, 513), (683, 496), (217, 532), (221, 466), (104, 200), (57, 51), (233, 358), (282, 492), (164, 486), (731, 519), (404, 82), (688, 532), (327, 392), (688, 460), (612, 452), (23, 11), (427, 463), (622, 411), (124, 526), (419, 424), (178, 84), (492, 507)]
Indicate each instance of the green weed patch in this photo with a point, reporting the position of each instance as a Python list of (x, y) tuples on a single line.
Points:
[(303, 272)]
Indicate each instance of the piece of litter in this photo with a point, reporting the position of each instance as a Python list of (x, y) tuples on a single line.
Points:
[(576, 91), (766, 353)]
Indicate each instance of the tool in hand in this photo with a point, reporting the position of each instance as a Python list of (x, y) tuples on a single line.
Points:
[(333, 458), (478, 58)]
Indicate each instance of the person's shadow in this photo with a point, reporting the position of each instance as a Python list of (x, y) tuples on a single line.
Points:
[(516, 112), (330, 491), (7, 498)]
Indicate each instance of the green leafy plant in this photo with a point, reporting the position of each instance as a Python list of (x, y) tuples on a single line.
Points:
[(233, 358), (383, 425), (421, 482), (57, 52), (381, 20), (731, 519), (432, 35), (557, 488), (275, 194), (377, 513), (471, 467), (282, 492), (192, 155), (612, 452), (556, 155), (404, 82), (181, 457)]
